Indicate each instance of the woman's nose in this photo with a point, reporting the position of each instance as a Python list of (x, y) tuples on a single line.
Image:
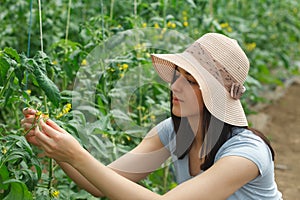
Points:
[(178, 83)]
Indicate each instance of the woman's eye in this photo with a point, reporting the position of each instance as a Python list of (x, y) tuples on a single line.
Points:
[(175, 76), (192, 82)]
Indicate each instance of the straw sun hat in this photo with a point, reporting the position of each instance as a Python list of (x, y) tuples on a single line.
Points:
[(220, 67)]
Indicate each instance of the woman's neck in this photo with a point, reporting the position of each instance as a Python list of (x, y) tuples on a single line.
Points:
[(196, 125)]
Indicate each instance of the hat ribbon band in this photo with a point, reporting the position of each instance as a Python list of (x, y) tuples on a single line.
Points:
[(216, 69)]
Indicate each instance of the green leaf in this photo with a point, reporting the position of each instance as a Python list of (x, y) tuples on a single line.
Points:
[(14, 156), (18, 190), (12, 53), (47, 86), (192, 3), (4, 175), (4, 66)]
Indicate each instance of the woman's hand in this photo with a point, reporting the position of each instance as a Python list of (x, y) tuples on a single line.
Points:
[(28, 123), (56, 142)]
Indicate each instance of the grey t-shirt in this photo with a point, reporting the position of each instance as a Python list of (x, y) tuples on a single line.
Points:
[(243, 143)]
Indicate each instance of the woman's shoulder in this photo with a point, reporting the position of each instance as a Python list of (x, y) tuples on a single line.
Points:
[(246, 144), (165, 126), (165, 130)]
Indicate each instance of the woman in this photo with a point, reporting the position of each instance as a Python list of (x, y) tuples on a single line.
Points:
[(215, 154)]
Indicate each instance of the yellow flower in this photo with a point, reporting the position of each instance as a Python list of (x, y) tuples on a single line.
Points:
[(156, 25), (250, 46), (28, 92), (69, 106), (84, 62), (59, 115), (144, 25), (140, 108), (185, 23), (152, 117), (121, 75), (224, 25), (38, 113), (66, 109), (295, 10), (55, 62), (229, 29), (125, 66), (169, 24), (4, 150), (55, 193), (144, 118)]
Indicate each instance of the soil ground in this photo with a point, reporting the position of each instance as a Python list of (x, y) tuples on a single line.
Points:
[(280, 121)]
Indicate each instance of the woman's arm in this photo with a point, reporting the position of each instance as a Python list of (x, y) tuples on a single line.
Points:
[(64, 148), (80, 180), (219, 182), (135, 165), (125, 166)]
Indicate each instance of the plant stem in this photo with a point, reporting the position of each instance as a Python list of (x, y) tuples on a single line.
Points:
[(50, 176), (68, 21), (165, 2), (111, 9), (165, 181), (211, 12), (41, 28), (135, 13), (6, 84), (45, 104), (16, 114), (102, 17)]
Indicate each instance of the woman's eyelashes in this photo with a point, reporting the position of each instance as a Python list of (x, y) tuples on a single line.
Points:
[(190, 80)]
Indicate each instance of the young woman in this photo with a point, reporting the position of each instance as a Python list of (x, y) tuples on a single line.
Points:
[(215, 154)]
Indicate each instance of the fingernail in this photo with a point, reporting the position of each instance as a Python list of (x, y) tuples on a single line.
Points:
[(25, 108)]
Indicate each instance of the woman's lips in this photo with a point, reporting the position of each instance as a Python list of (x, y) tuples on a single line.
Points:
[(175, 100)]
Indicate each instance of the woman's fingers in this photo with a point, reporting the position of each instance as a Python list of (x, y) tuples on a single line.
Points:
[(32, 139), (43, 140), (28, 111), (55, 126), (48, 130)]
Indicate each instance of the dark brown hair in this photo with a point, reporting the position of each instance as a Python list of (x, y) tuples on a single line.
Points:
[(185, 136)]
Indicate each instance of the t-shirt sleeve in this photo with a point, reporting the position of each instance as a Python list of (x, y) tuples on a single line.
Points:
[(249, 146), (165, 131)]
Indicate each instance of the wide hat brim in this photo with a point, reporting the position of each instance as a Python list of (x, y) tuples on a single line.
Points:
[(215, 97)]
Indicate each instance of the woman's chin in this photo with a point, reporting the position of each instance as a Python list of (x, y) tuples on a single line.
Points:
[(177, 113)]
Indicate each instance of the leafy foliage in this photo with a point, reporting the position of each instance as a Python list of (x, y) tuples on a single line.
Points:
[(266, 29)]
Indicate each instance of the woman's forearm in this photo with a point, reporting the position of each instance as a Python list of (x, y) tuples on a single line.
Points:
[(111, 184), (80, 180)]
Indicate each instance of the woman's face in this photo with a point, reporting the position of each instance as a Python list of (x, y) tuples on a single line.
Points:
[(187, 98)]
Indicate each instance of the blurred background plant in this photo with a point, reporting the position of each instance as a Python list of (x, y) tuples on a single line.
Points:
[(268, 31)]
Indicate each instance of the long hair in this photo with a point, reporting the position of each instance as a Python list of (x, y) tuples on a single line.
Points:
[(215, 134)]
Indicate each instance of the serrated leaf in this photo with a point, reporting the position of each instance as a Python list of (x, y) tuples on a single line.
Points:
[(47, 86), (12, 53)]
